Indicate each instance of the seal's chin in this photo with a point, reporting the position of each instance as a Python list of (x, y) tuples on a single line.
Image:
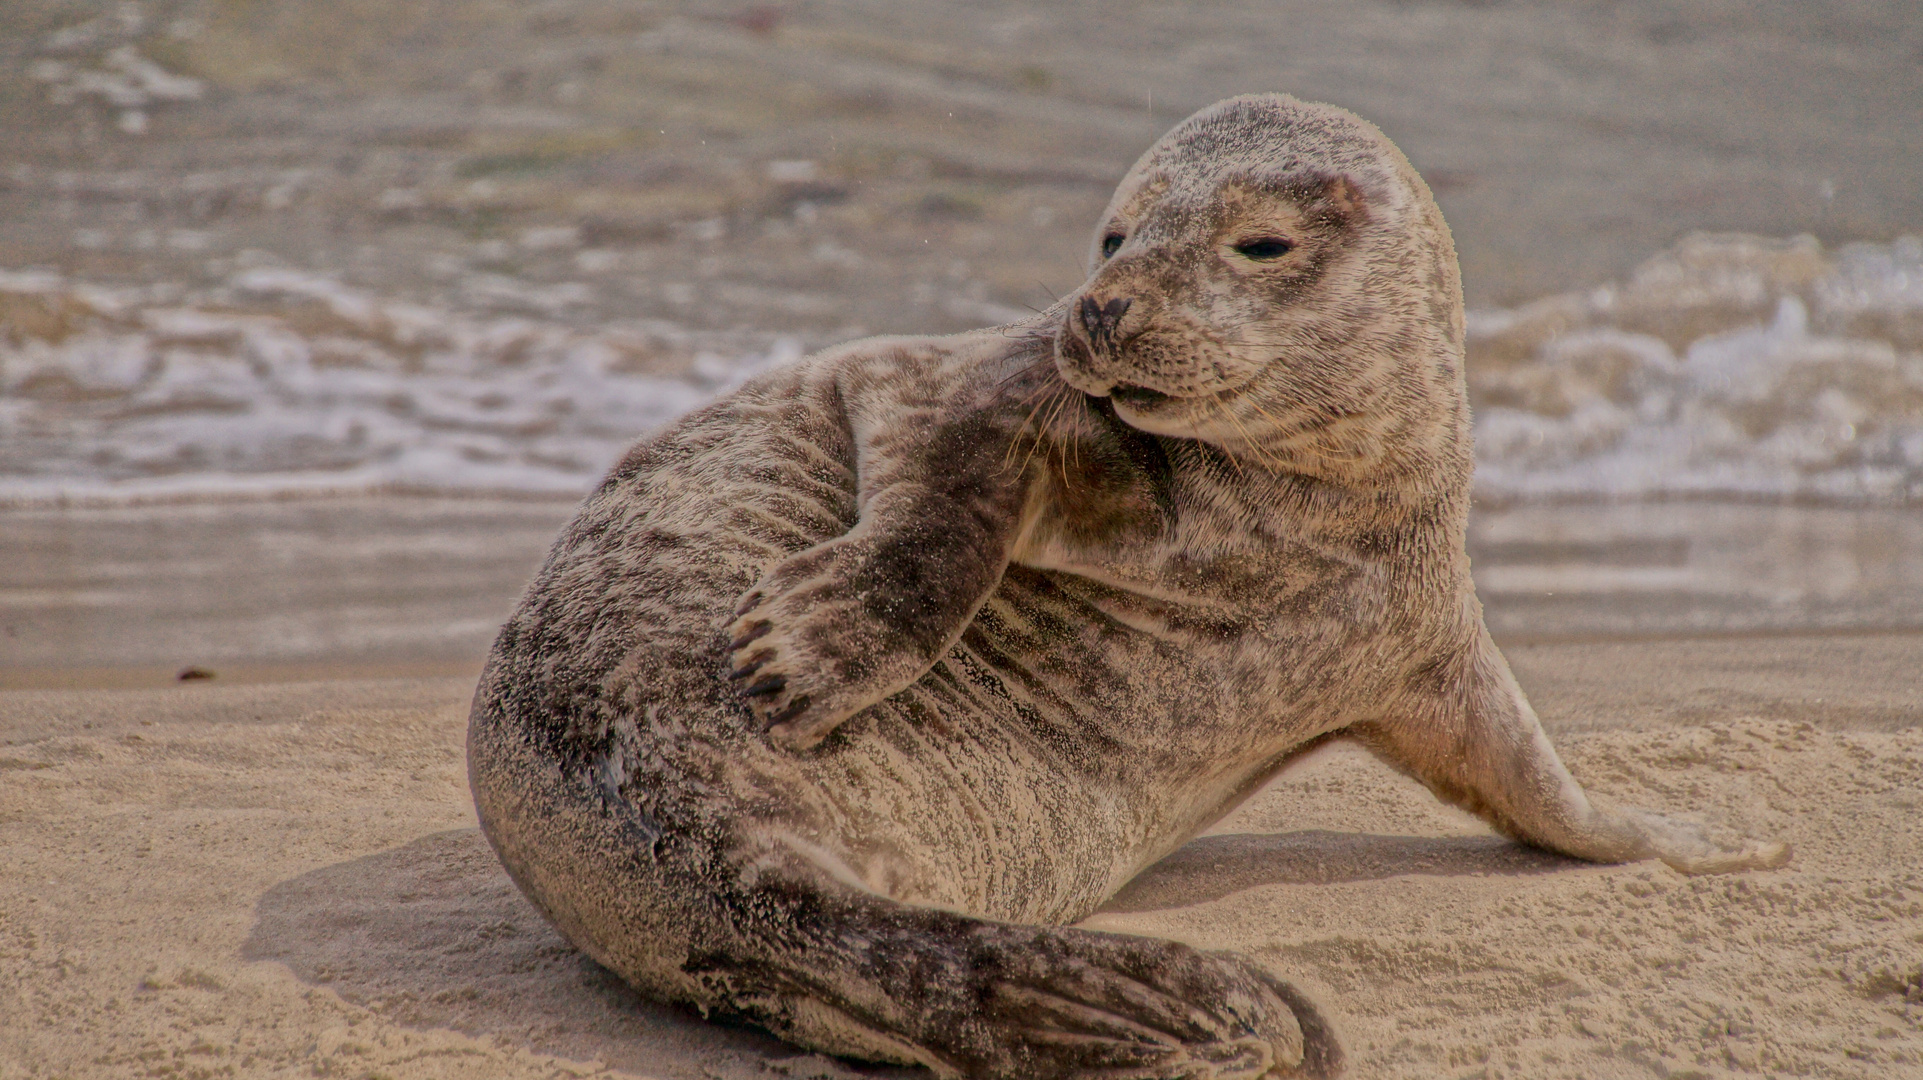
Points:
[(1153, 411)]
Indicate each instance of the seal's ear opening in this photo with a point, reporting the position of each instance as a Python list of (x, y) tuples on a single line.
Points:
[(1340, 202), (1345, 196)]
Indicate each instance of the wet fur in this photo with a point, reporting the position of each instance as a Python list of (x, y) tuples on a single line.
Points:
[(842, 695)]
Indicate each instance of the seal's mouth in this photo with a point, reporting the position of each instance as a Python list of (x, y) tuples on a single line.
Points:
[(1140, 397)]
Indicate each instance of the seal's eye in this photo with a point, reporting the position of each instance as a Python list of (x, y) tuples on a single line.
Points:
[(1110, 243), (1268, 247)]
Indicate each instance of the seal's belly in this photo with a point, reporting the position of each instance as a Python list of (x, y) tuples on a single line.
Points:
[(1045, 761)]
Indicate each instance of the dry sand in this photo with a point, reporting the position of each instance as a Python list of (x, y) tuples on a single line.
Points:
[(285, 879)]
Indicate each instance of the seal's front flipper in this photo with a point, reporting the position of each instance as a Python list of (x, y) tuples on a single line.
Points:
[(1693, 849), (839, 626), (1473, 739)]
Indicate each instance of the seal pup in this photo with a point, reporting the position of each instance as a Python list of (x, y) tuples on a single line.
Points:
[(840, 697)]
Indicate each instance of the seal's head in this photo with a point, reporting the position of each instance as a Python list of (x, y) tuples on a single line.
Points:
[(1272, 277)]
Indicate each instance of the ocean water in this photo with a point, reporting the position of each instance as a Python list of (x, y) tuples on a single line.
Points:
[(1726, 366)]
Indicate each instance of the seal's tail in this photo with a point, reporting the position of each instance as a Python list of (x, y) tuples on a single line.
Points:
[(848, 972)]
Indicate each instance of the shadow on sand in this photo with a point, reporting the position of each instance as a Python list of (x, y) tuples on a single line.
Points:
[(1212, 867), (434, 935)]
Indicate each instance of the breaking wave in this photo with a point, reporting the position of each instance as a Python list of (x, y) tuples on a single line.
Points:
[(1727, 366), (291, 382)]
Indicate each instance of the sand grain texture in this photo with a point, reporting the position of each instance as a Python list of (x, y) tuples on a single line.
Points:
[(285, 880)]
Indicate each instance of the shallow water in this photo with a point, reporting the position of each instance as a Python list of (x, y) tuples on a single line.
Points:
[(326, 580), (1685, 568), (427, 581)]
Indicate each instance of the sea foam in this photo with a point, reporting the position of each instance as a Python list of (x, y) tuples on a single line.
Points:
[(1726, 366), (299, 383)]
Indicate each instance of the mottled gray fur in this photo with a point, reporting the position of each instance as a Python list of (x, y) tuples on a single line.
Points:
[(842, 695)]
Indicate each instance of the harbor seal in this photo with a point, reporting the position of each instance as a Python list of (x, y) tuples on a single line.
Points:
[(842, 696)]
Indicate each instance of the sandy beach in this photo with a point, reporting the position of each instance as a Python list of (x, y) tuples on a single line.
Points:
[(285, 879), (276, 871)]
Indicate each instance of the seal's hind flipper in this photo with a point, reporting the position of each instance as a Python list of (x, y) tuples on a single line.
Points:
[(973, 998), (1321, 1051)]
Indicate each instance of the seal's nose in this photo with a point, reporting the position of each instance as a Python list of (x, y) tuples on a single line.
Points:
[(1100, 320)]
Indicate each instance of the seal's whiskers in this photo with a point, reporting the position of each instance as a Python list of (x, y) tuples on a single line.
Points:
[(1014, 443)]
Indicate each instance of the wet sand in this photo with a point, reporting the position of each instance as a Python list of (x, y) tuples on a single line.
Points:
[(377, 586)]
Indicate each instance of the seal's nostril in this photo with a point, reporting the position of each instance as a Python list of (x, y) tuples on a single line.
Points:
[(1101, 319), (1091, 315)]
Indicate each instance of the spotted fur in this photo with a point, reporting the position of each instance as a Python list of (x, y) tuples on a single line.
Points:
[(842, 696)]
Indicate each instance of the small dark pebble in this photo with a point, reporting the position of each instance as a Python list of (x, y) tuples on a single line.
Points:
[(188, 674)]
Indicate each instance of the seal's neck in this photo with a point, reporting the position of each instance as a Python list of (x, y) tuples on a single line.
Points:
[(1408, 433)]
